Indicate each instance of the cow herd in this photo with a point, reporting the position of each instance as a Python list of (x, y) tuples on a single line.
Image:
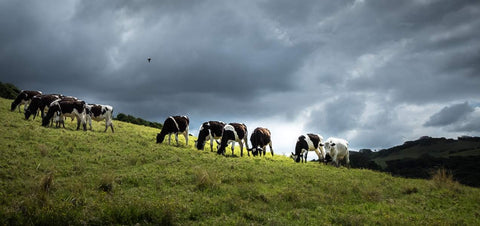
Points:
[(60, 106), (332, 150)]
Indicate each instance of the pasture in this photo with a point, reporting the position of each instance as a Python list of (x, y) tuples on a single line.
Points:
[(62, 176)]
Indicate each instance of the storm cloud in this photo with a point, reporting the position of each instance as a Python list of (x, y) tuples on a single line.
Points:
[(374, 72)]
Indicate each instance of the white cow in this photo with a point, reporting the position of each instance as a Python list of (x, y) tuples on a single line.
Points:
[(337, 148), (100, 112)]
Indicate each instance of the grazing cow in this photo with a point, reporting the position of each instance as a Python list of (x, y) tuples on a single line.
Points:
[(233, 132), (39, 102), (211, 130), (73, 109), (337, 149), (259, 139), (174, 124), (98, 113), (24, 98), (306, 143)]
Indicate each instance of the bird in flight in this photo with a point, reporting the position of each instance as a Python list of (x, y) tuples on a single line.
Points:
[(149, 59)]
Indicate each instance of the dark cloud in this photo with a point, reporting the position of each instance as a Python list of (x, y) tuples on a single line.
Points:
[(356, 67), (449, 115)]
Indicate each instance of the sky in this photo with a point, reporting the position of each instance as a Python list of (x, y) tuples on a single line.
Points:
[(375, 72)]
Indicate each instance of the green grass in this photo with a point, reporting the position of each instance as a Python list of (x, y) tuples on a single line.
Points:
[(62, 176)]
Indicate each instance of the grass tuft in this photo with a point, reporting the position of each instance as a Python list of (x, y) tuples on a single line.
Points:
[(106, 183), (46, 182), (206, 180), (43, 150)]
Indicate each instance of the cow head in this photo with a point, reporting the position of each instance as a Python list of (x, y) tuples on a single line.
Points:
[(160, 138), (256, 150), (202, 137), (221, 149), (54, 107), (295, 158)]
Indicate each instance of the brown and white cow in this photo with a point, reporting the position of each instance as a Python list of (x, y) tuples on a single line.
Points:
[(233, 132), (24, 98), (260, 138), (99, 112), (40, 102), (211, 130), (174, 124), (73, 109)]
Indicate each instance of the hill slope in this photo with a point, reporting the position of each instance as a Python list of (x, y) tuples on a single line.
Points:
[(417, 159), (61, 176)]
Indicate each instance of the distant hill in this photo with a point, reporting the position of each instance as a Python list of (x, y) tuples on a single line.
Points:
[(419, 158)]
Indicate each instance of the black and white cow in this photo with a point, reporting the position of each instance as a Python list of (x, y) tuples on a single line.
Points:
[(337, 149), (174, 124), (233, 132), (211, 130), (39, 102), (98, 113), (306, 143), (24, 98), (73, 109), (259, 139)]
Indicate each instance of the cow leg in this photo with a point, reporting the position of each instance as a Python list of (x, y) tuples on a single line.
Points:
[(271, 149), (233, 146), (111, 125), (347, 159), (176, 138), (106, 126), (334, 160), (211, 143), (169, 137), (241, 149), (185, 134)]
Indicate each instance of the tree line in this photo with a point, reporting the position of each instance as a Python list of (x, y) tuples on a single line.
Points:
[(138, 121)]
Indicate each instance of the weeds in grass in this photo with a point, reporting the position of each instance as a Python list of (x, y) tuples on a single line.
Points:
[(46, 182), (43, 150), (443, 178), (206, 180), (410, 190)]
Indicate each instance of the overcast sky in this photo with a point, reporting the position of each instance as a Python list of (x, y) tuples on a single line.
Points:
[(376, 73)]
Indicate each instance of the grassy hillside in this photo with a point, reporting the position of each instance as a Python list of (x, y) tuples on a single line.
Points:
[(62, 176)]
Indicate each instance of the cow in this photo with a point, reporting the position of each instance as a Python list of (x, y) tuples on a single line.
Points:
[(24, 98), (100, 112), (211, 130), (73, 109), (259, 139), (337, 149), (174, 124), (39, 102), (306, 143), (233, 132)]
